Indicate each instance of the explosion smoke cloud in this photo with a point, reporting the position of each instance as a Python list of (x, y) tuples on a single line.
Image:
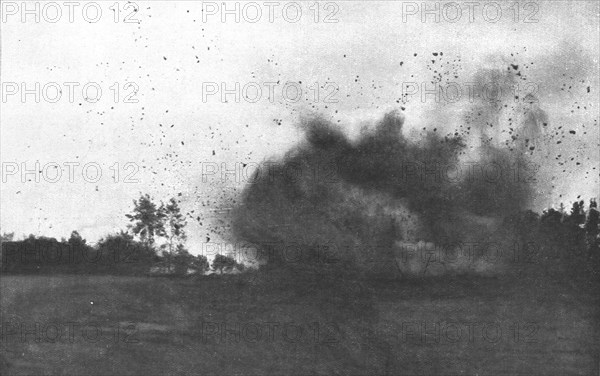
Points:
[(372, 203)]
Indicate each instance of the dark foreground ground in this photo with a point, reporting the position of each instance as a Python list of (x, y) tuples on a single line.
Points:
[(244, 325)]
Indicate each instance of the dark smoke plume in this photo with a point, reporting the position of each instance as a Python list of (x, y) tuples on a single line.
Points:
[(332, 198)]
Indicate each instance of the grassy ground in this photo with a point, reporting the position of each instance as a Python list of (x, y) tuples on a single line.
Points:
[(242, 325)]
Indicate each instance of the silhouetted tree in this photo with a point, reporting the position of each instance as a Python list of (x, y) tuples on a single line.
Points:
[(591, 227), (8, 236), (573, 225), (121, 252), (552, 230), (551, 219), (200, 263), (182, 260), (577, 215), (76, 241), (147, 220), (174, 223)]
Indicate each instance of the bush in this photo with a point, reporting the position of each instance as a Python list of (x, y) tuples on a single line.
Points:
[(223, 263)]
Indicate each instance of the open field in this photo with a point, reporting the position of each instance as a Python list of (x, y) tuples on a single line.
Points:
[(240, 325)]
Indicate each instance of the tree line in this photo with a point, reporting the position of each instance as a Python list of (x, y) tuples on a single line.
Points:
[(154, 241), (564, 239)]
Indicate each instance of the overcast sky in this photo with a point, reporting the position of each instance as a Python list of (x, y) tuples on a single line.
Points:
[(350, 71)]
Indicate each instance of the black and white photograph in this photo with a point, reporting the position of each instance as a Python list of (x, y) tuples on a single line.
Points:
[(269, 188)]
